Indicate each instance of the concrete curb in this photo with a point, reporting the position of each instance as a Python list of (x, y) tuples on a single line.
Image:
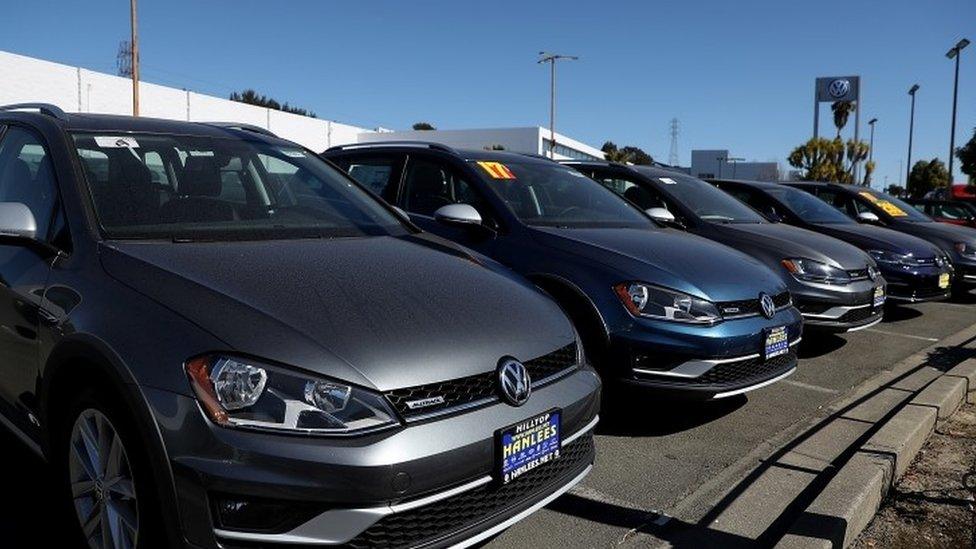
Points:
[(850, 500)]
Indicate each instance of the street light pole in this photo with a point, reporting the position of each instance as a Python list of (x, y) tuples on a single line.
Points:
[(871, 143), (911, 130), (954, 53), (551, 58), (135, 57), (735, 161)]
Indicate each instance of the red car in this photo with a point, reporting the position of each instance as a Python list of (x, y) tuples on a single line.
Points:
[(956, 212)]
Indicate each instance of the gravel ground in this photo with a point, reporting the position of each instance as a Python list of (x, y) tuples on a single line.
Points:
[(933, 504)]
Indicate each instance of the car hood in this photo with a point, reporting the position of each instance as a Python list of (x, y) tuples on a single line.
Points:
[(944, 234), (870, 237), (668, 258), (383, 312), (773, 242)]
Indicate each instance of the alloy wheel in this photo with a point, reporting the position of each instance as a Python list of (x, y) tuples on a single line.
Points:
[(101, 483)]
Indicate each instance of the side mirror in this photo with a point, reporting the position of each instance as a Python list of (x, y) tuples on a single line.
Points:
[(868, 217), (661, 215), (458, 214), (17, 222)]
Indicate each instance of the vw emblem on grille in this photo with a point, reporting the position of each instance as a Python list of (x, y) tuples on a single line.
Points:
[(872, 273), (839, 88), (768, 307), (514, 382)]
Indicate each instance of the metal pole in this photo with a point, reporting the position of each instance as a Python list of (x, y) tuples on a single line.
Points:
[(911, 129), (952, 132), (857, 135), (816, 115), (552, 108), (135, 58), (871, 142)]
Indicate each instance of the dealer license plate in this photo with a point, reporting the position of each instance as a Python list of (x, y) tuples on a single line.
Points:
[(776, 342), (879, 296), (528, 445)]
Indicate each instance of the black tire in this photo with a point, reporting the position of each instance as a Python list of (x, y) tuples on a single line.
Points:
[(150, 531)]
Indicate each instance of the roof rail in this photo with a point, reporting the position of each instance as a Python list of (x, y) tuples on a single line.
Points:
[(43, 108), (243, 127), (428, 144)]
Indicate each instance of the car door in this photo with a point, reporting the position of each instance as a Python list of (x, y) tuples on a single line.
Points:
[(27, 177), (430, 183)]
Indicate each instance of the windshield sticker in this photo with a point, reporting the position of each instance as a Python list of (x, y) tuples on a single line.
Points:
[(292, 153), (667, 181), (497, 170), (115, 142), (885, 205)]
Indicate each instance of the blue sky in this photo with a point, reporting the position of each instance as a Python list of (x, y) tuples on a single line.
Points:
[(738, 75)]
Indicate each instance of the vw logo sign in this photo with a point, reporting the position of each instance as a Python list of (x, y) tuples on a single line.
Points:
[(839, 88), (514, 382), (768, 307)]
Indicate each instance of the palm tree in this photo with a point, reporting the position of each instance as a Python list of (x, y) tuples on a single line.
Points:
[(842, 110)]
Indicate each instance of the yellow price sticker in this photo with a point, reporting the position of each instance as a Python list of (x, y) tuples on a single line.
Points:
[(944, 281), (497, 170), (885, 205)]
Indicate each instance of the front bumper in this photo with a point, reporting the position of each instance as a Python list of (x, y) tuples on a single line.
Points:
[(703, 362), (915, 284), (424, 485), (837, 308)]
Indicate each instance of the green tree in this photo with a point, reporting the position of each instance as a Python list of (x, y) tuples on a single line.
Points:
[(824, 159), (927, 175), (252, 97), (423, 126), (967, 158), (896, 190), (628, 154), (842, 111)]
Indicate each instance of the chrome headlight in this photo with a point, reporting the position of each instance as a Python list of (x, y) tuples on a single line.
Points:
[(660, 303), (245, 393), (966, 250), (809, 270)]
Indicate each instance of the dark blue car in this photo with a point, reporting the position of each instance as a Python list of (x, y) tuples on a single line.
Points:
[(655, 307), (916, 270), (877, 208)]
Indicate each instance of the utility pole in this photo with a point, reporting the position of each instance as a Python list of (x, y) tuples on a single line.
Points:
[(673, 154), (911, 130), (551, 58), (135, 57), (954, 53), (871, 123)]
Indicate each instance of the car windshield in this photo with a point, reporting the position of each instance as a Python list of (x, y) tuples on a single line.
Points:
[(705, 201), (893, 207), (153, 186), (547, 194), (808, 207)]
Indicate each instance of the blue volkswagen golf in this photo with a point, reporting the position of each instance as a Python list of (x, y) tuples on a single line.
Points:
[(655, 307)]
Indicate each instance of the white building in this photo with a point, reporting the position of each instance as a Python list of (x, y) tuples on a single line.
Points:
[(531, 139), (74, 89)]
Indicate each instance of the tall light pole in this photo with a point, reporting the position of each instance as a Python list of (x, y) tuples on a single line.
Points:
[(911, 130), (734, 160), (871, 143), (551, 58), (135, 57), (954, 53)]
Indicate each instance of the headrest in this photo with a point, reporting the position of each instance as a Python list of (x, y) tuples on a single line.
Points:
[(201, 177)]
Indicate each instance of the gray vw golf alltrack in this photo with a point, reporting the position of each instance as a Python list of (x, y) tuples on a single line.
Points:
[(218, 340)]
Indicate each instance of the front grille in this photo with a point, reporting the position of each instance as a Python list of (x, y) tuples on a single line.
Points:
[(748, 307), (480, 388), (437, 521), (858, 274), (745, 371), (856, 315)]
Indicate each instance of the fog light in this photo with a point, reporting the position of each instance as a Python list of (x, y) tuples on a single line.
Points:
[(261, 515)]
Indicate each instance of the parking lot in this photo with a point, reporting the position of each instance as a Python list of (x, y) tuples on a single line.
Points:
[(681, 460), (674, 459)]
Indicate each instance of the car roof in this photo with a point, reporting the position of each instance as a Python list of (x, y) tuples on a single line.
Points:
[(463, 154), (747, 183), (136, 124)]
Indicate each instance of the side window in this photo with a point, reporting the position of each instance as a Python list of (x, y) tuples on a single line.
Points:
[(27, 176), (640, 195), (376, 173), (839, 201), (429, 185)]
